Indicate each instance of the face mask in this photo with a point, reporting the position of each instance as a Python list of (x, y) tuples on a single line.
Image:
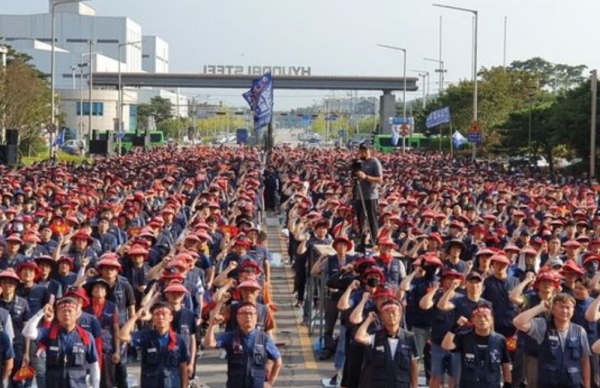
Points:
[(372, 282), (430, 270)]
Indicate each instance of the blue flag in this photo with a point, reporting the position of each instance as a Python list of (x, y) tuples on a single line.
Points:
[(458, 139), (60, 138), (260, 99), (438, 117)]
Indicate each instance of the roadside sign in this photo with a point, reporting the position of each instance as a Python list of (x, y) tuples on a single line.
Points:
[(475, 127), (399, 120), (51, 128), (475, 137)]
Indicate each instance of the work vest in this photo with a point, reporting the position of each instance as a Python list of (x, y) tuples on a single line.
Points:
[(486, 372), (261, 312), (380, 370), (117, 296), (591, 328), (106, 325), (35, 299), (391, 272), (160, 365), (558, 367), (415, 315), (246, 369), (183, 324), (4, 317), (66, 370)]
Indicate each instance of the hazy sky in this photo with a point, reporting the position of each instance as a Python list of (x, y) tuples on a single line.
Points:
[(338, 37)]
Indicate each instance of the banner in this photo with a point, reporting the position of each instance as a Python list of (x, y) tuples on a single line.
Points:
[(260, 99), (437, 117), (458, 139)]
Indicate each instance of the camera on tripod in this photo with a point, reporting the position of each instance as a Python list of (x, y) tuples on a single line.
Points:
[(356, 165)]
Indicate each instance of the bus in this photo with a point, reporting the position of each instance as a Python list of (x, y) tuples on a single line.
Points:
[(384, 143), (157, 138)]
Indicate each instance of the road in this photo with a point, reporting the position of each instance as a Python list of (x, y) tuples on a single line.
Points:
[(300, 366)]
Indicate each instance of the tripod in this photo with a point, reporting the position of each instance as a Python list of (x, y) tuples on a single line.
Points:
[(364, 224)]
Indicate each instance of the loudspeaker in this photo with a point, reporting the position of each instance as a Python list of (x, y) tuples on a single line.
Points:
[(9, 155), (12, 136), (99, 147)]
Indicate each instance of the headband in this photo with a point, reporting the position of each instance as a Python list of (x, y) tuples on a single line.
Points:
[(481, 311), (247, 309), (162, 310), (390, 306), (67, 305)]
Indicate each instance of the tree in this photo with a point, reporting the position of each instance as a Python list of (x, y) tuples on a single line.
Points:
[(24, 102), (554, 77), (559, 124), (500, 92), (544, 132), (159, 108), (572, 115)]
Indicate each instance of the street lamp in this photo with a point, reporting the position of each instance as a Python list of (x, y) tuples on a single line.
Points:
[(120, 96), (594, 82), (81, 65), (425, 75), (3, 52), (476, 15), (53, 65), (441, 72), (404, 85)]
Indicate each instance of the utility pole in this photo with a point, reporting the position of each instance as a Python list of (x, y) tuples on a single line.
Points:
[(594, 80), (3, 53), (91, 80)]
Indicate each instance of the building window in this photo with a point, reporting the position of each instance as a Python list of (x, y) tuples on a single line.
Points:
[(46, 39), (145, 56), (97, 109), (108, 41), (77, 41)]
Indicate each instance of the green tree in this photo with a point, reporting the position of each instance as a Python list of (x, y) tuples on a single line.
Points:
[(553, 77), (572, 115), (159, 108), (559, 125), (500, 92), (24, 103), (544, 132)]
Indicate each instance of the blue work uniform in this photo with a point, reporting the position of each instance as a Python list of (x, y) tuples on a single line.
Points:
[(247, 355), (6, 351), (162, 356), (68, 356)]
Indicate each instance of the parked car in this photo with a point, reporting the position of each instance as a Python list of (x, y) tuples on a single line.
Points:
[(73, 147), (526, 160)]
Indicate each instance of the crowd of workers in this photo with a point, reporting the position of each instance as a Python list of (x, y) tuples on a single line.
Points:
[(485, 277)]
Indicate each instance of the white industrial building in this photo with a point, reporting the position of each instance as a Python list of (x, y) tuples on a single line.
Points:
[(76, 26)]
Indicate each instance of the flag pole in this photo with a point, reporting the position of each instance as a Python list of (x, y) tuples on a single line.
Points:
[(269, 140), (451, 142)]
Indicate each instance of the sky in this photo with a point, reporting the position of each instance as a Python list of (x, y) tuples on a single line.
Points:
[(339, 37)]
